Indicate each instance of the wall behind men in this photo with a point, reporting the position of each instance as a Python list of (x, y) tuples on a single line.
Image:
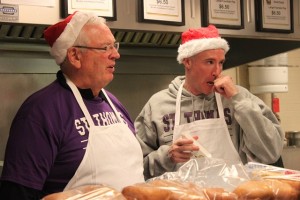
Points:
[(289, 106), (290, 101)]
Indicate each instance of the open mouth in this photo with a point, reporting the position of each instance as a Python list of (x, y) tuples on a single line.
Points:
[(211, 83)]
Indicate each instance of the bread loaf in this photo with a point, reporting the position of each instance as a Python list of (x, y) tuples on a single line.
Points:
[(174, 190), (268, 189), (281, 190), (254, 189), (294, 184), (219, 194), (143, 192), (162, 190), (265, 189), (87, 192)]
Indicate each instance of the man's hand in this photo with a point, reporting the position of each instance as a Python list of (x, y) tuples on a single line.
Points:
[(225, 86), (181, 150)]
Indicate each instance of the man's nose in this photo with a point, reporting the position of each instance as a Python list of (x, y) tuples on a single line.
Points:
[(115, 54), (217, 71)]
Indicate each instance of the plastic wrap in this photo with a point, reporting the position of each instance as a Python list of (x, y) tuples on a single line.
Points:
[(210, 173), (212, 179), (285, 183), (260, 171), (161, 189), (201, 178)]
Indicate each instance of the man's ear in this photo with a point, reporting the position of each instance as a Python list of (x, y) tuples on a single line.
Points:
[(187, 62), (73, 55)]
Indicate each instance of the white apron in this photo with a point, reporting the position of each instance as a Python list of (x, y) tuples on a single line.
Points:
[(113, 155), (212, 134)]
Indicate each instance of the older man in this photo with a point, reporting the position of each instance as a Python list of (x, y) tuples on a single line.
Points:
[(73, 132)]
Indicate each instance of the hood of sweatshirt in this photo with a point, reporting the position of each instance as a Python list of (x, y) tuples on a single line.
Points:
[(174, 87)]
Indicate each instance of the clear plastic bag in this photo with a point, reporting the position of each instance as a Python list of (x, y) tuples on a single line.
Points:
[(269, 182), (220, 179), (259, 171), (161, 189), (209, 173), (201, 178)]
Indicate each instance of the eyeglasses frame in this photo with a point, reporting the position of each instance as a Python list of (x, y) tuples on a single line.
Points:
[(116, 46)]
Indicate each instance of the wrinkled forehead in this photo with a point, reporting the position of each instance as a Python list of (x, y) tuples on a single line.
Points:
[(99, 33)]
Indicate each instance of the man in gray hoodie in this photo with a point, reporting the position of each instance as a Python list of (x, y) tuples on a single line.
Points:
[(205, 106)]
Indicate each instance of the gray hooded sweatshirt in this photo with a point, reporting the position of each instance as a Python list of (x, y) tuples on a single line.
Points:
[(254, 129)]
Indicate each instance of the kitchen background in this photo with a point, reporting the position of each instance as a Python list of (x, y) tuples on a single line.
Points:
[(145, 68)]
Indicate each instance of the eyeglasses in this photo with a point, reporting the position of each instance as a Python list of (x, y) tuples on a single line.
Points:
[(105, 48)]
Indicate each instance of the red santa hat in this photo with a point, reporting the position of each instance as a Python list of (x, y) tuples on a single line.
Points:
[(62, 35), (195, 41)]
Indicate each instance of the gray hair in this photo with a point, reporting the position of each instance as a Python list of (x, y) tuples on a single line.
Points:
[(82, 39)]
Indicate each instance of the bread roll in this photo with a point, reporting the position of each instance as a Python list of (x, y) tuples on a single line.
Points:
[(294, 184), (219, 194), (265, 173), (87, 192), (162, 190), (143, 192), (254, 189), (282, 190)]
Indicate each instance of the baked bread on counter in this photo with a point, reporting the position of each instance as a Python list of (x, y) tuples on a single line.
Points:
[(269, 189), (266, 189), (174, 190)]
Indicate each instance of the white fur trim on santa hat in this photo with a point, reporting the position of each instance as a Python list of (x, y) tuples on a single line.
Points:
[(69, 35), (193, 47)]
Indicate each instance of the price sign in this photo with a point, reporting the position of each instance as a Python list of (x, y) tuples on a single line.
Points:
[(274, 15), (170, 12), (223, 14)]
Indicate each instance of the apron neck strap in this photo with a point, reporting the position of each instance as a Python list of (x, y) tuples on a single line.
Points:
[(84, 109), (80, 101), (178, 103), (220, 105), (118, 115)]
